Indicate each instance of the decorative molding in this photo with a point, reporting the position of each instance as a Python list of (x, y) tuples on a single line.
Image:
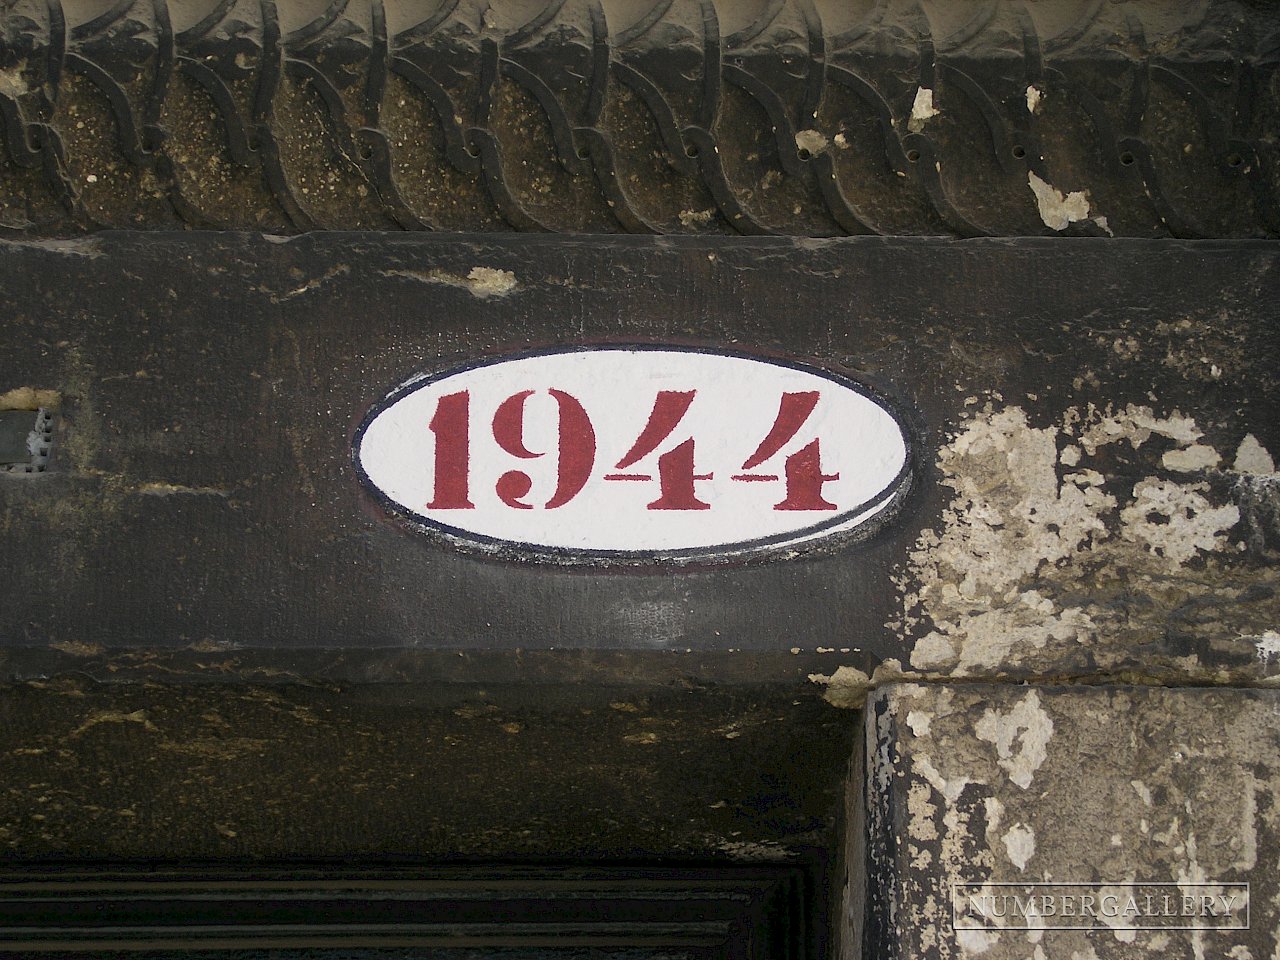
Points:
[(1142, 118)]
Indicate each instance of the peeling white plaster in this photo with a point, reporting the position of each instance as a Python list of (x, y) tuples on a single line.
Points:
[(950, 789), (1028, 728), (1034, 96), (480, 282), (690, 218), (1020, 845), (1198, 456), (1058, 210), (1268, 646), (1186, 522), (922, 110), (1142, 790), (1252, 457), (490, 282), (919, 722), (1136, 424), (994, 810), (981, 593), (811, 141), (975, 942), (997, 535), (848, 686)]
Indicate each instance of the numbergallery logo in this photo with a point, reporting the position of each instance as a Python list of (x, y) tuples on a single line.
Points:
[(1121, 906), (636, 453)]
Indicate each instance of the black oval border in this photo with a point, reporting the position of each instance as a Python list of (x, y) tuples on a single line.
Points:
[(890, 496)]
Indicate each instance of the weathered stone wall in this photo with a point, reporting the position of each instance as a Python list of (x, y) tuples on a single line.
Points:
[(216, 645)]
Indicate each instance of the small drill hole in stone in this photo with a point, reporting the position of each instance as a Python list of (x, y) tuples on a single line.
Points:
[(913, 156), (1127, 159), (804, 154), (1019, 151), (1235, 160), (584, 153), (366, 152), (691, 150)]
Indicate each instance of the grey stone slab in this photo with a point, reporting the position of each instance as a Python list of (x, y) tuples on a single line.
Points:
[(1085, 789)]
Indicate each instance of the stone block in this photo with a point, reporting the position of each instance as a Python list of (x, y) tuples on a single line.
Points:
[(1111, 793)]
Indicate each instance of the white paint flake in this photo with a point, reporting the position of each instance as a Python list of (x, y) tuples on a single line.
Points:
[(1028, 509), (1034, 96), (1269, 646), (1058, 210), (918, 722), (975, 942), (1020, 845), (811, 142), (480, 282), (690, 218), (1252, 457), (486, 282), (1198, 456), (1175, 521), (922, 110), (949, 788), (1020, 737)]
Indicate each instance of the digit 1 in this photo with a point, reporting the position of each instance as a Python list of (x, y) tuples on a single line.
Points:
[(452, 427)]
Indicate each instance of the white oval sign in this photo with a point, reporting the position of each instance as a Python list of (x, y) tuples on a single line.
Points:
[(635, 454)]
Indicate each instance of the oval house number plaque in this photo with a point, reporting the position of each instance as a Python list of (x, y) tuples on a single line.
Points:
[(635, 454)]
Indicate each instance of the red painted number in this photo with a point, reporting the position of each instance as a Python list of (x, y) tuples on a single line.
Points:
[(577, 450), (576, 453), (452, 427), (803, 469), (675, 467)]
